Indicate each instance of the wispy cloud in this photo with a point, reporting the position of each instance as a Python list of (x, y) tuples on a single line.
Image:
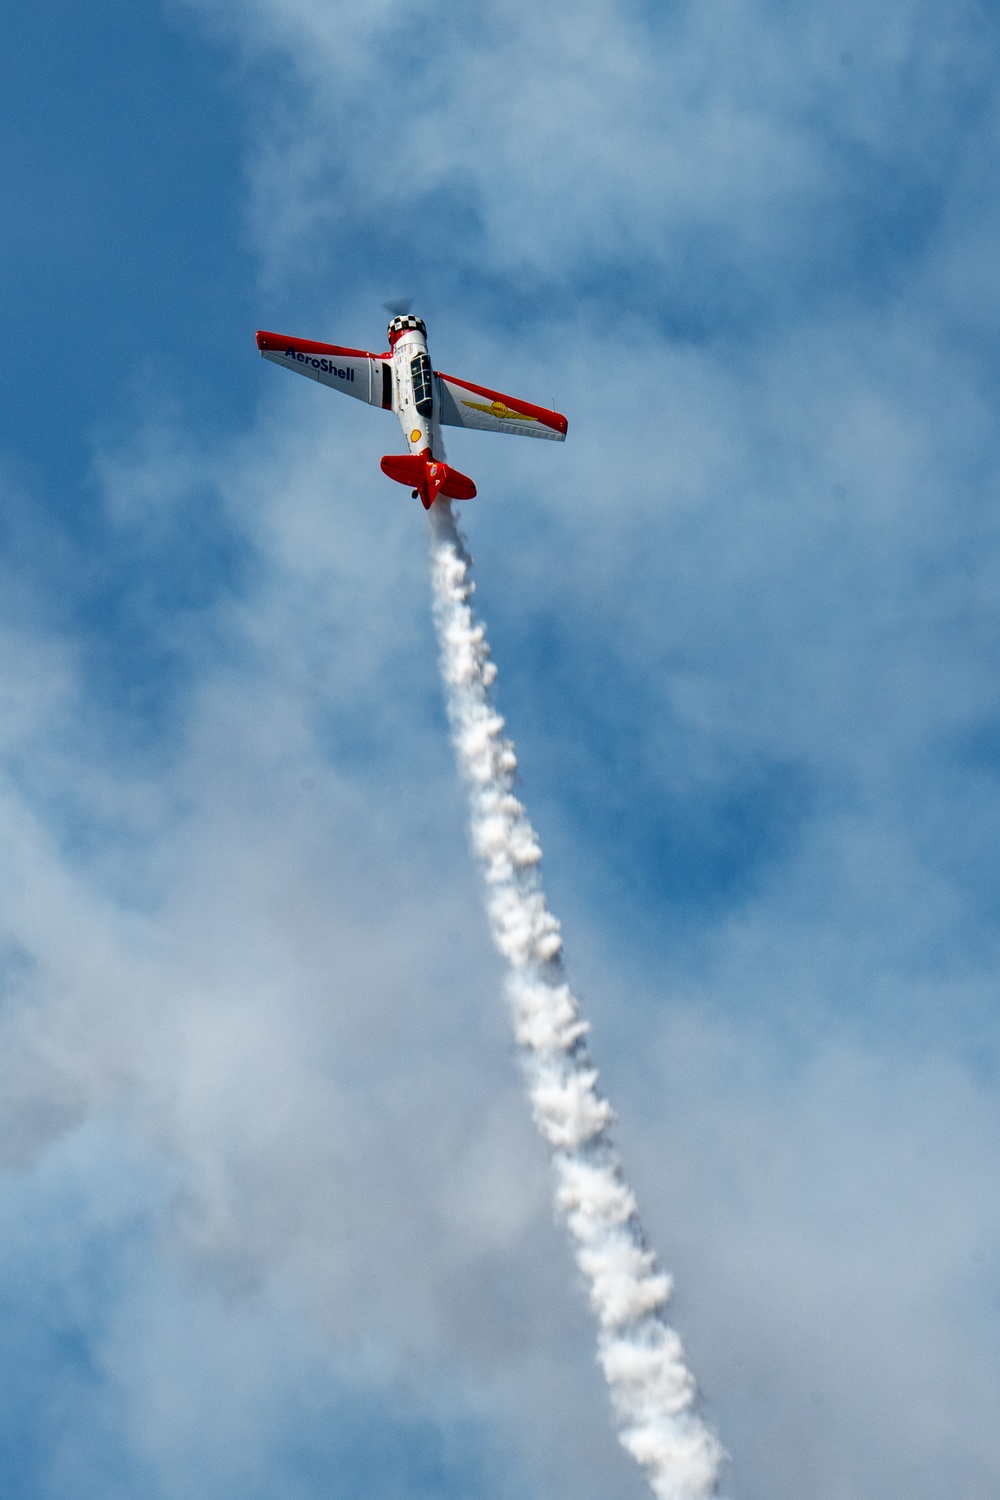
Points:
[(749, 253)]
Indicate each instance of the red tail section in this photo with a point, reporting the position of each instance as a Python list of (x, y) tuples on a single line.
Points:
[(429, 477)]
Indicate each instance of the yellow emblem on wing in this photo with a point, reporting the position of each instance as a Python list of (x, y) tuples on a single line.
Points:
[(499, 410)]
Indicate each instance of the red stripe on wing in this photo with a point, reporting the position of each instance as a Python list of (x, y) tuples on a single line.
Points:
[(279, 341), (542, 414)]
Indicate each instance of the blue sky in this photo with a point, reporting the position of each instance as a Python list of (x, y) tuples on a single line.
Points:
[(274, 1219)]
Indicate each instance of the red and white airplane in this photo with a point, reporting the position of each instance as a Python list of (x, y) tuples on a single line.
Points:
[(402, 380)]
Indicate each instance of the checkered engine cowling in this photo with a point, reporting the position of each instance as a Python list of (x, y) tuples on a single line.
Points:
[(404, 322)]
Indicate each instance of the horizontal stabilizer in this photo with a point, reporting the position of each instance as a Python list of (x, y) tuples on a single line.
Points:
[(429, 477)]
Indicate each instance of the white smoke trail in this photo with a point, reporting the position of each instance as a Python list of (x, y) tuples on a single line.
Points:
[(653, 1393)]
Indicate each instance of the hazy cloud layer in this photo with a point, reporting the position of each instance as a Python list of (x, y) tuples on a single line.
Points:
[(277, 1220)]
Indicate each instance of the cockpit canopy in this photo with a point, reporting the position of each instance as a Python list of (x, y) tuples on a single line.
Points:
[(423, 391)]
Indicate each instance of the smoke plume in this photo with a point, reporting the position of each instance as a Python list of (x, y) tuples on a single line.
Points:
[(653, 1393)]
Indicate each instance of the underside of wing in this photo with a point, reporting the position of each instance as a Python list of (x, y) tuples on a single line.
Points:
[(353, 371), (461, 404)]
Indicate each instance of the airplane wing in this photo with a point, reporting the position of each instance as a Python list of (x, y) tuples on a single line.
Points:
[(463, 405), (354, 371)]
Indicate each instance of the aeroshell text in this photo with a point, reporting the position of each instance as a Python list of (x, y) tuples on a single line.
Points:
[(326, 365)]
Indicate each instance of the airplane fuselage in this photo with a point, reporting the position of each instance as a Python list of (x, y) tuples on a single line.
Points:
[(413, 393)]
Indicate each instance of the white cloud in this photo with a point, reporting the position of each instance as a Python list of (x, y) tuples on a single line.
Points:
[(276, 969)]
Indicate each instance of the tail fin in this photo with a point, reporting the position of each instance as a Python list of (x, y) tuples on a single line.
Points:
[(429, 477)]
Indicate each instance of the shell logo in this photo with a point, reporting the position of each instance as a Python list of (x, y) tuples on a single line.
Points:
[(415, 435)]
